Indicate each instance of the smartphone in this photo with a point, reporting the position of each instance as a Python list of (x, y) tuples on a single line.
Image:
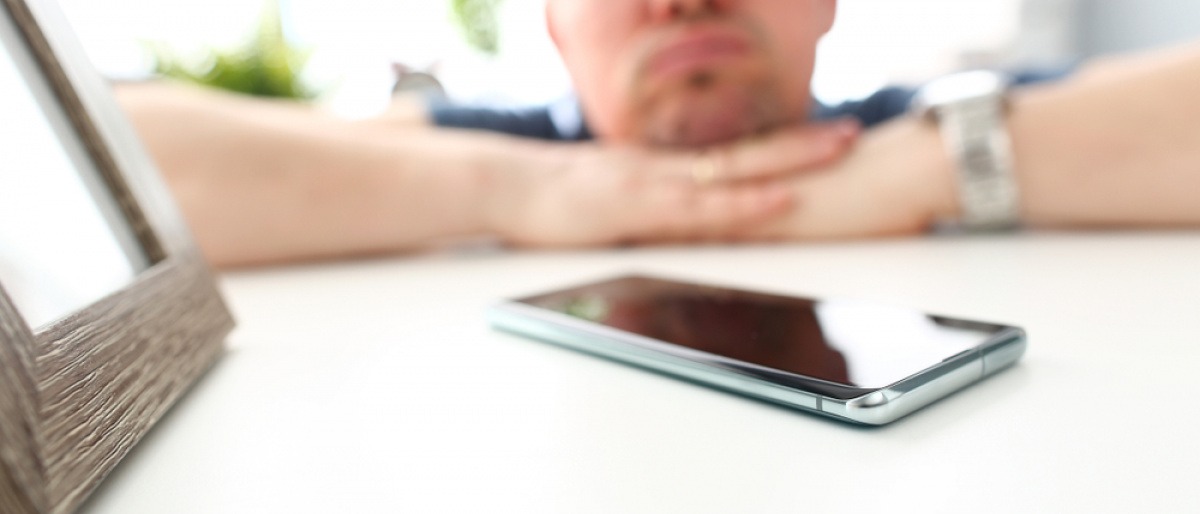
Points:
[(853, 360)]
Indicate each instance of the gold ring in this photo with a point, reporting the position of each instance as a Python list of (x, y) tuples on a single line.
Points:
[(705, 168)]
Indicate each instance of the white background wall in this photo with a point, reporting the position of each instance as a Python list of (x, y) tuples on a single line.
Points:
[(875, 42), (1120, 25)]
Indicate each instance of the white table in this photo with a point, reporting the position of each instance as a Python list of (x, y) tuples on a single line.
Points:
[(377, 387)]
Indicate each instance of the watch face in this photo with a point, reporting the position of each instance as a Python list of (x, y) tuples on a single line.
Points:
[(963, 86)]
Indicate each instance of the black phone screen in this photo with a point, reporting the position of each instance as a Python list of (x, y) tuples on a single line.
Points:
[(850, 342)]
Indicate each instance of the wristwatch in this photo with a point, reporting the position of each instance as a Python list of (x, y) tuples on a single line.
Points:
[(970, 110)]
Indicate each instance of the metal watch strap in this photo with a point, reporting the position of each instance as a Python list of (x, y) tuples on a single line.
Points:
[(975, 135)]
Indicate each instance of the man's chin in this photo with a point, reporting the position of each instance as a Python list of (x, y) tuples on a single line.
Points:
[(706, 118), (702, 131)]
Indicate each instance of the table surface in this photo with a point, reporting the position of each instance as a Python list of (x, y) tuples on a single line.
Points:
[(377, 386)]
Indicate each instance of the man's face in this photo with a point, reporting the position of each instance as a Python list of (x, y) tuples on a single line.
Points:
[(689, 72)]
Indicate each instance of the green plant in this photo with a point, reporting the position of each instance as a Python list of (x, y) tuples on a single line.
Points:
[(477, 21), (265, 66)]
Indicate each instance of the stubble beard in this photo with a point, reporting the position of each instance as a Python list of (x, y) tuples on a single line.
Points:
[(709, 107)]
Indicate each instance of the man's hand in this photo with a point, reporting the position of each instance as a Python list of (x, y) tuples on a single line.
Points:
[(898, 181), (591, 195)]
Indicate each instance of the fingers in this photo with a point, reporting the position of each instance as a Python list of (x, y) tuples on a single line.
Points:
[(720, 214), (784, 151), (789, 150), (686, 212)]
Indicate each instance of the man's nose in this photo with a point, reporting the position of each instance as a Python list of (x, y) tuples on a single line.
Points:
[(672, 10)]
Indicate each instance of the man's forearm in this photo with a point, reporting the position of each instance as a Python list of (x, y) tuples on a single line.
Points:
[(1117, 145), (264, 182)]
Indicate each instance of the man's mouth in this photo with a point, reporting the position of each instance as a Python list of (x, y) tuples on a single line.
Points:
[(696, 49)]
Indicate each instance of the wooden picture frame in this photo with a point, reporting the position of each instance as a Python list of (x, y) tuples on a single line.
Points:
[(76, 395)]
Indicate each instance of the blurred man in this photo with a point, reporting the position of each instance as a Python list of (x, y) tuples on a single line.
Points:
[(1076, 152), (1117, 144), (265, 181)]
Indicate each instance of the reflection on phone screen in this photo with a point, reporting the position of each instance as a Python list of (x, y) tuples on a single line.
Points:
[(850, 342)]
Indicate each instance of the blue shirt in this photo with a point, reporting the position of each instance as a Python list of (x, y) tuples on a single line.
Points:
[(562, 121)]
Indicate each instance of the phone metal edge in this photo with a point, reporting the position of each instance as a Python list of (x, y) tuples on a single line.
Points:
[(956, 373), (879, 407)]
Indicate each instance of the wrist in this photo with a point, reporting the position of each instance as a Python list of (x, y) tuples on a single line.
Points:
[(477, 185), (939, 172), (509, 176), (927, 171)]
